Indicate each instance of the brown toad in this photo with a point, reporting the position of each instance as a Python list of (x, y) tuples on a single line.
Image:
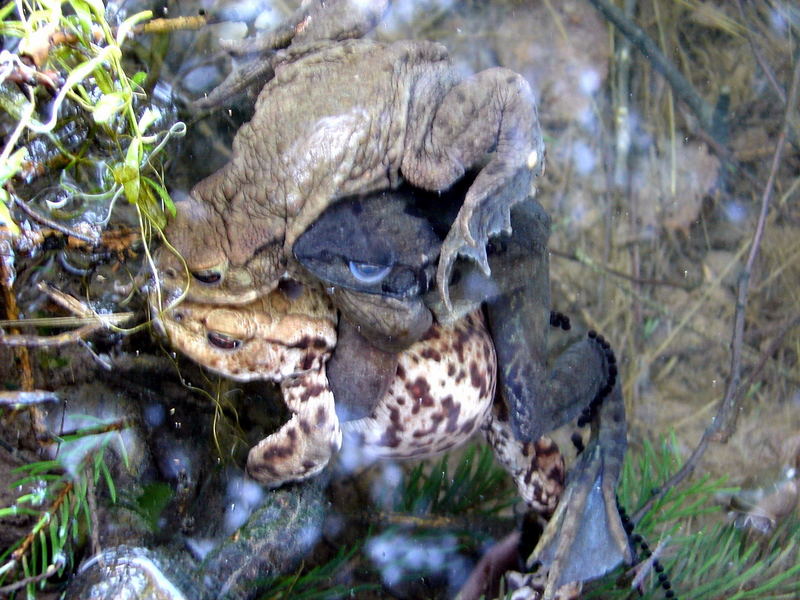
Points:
[(443, 390), (347, 117)]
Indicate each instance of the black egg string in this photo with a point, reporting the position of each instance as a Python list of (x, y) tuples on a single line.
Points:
[(611, 360), (577, 441), (636, 539), (561, 320), (558, 319)]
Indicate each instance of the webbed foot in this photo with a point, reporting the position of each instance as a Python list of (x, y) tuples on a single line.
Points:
[(585, 538), (486, 212), (492, 113)]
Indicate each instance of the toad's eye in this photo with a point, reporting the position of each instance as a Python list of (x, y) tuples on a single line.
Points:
[(225, 342), (368, 273), (209, 276)]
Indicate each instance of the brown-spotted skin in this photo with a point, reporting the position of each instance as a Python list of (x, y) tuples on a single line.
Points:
[(442, 393)]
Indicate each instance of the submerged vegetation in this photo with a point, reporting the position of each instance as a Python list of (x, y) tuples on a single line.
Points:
[(73, 110), (704, 556), (59, 500), (654, 267), (478, 485), (114, 121)]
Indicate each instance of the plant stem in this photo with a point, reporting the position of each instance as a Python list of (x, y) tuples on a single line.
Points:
[(724, 423), (680, 85), (26, 543)]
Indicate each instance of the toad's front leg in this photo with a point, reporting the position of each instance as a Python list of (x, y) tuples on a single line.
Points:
[(492, 111), (537, 468), (303, 446)]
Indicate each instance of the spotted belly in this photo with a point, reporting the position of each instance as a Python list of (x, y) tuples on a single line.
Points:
[(441, 395)]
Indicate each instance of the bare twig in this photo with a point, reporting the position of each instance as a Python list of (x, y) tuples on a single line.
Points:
[(51, 570), (7, 277), (96, 321), (174, 24), (680, 85), (644, 568), (722, 427), (620, 274), (152, 26), (118, 425), (727, 413), (92, 241), (50, 341), (483, 580), (26, 543), (713, 430), (110, 319)]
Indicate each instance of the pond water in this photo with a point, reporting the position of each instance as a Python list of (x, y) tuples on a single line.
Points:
[(671, 170)]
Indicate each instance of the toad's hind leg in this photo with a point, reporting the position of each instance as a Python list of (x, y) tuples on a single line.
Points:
[(492, 111), (539, 399), (586, 537), (537, 468), (303, 446)]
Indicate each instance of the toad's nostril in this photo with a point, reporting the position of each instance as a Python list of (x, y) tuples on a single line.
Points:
[(177, 316), (170, 273)]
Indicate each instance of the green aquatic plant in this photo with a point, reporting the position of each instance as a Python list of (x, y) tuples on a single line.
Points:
[(478, 485), (704, 556), (68, 67), (317, 583), (149, 503), (443, 512)]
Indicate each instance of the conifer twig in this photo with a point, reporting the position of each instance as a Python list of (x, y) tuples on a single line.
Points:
[(26, 543), (51, 570)]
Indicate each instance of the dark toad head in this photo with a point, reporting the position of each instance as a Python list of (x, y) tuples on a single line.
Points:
[(373, 244), (377, 258)]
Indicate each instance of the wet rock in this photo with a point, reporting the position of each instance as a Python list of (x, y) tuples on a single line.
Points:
[(275, 539), (133, 572)]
